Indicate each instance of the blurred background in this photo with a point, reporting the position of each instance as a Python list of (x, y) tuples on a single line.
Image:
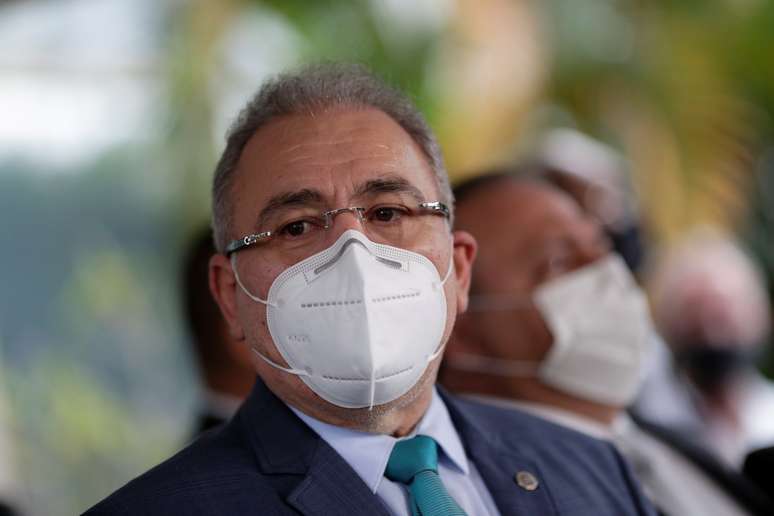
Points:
[(112, 115)]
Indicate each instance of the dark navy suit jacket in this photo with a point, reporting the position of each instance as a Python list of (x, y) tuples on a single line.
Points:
[(267, 461)]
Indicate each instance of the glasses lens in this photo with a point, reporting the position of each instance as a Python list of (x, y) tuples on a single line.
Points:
[(294, 238), (397, 224), (388, 219)]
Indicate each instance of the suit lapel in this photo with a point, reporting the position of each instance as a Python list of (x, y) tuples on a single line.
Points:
[(284, 445), (507, 475), (499, 469), (332, 487)]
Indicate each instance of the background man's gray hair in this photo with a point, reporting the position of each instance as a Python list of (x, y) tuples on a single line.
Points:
[(709, 263), (310, 89)]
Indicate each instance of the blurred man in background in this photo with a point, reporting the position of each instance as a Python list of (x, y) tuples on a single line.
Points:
[(558, 327), (225, 368), (597, 177), (710, 305)]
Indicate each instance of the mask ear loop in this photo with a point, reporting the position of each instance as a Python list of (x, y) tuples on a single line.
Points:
[(485, 303), (290, 370), (242, 286), (297, 372), (483, 364), (493, 366), (438, 352), (450, 268)]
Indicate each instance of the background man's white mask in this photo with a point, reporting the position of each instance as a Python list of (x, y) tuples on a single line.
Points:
[(602, 334), (359, 322)]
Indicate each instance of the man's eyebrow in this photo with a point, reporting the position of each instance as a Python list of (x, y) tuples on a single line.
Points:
[(389, 184), (288, 200)]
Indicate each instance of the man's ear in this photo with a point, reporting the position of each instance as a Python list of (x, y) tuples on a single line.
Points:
[(465, 248), (224, 289)]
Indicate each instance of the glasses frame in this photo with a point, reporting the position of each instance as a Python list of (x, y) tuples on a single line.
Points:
[(430, 208)]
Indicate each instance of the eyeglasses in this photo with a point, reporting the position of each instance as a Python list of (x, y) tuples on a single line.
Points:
[(391, 223)]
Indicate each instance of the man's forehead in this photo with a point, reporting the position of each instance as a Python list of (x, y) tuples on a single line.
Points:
[(509, 200), (330, 135), (518, 211), (330, 153)]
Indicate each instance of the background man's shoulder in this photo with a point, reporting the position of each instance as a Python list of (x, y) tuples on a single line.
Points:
[(509, 421), (584, 475)]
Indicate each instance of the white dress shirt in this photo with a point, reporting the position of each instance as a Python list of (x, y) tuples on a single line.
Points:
[(368, 454), (670, 480)]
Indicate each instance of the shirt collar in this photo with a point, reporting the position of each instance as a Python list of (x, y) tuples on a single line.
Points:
[(368, 453)]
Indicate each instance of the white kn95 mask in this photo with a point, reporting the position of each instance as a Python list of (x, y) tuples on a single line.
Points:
[(602, 332), (358, 322)]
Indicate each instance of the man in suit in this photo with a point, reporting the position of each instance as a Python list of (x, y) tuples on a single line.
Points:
[(338, 269), (558, 327), (224, 365)]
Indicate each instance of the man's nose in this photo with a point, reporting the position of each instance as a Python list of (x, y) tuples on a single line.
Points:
[(345, 219)]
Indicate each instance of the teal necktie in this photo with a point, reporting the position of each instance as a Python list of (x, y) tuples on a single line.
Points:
[(414, 462)]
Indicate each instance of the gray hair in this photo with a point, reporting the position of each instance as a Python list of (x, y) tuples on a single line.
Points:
[(314, 88)]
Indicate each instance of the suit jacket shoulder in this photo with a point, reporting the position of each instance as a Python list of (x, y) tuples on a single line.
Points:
[(200, 479)]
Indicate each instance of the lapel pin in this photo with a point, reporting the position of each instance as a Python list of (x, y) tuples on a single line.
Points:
[(526, 480)]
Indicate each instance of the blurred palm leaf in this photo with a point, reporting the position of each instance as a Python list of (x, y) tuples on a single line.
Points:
[(666, 97)]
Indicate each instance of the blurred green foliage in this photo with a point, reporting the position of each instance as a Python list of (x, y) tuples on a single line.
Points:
[(95, 364), (95, 355)]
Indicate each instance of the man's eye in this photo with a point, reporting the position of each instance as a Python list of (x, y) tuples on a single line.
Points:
[(296, 228), (386, 213)]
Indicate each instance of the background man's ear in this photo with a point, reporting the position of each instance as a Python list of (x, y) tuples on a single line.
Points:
[(464, 338), (224, 289)]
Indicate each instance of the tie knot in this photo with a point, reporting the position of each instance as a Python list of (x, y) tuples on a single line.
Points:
[(410, 457)]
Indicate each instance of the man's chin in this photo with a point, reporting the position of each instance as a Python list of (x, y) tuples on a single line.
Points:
[(380, 419)]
